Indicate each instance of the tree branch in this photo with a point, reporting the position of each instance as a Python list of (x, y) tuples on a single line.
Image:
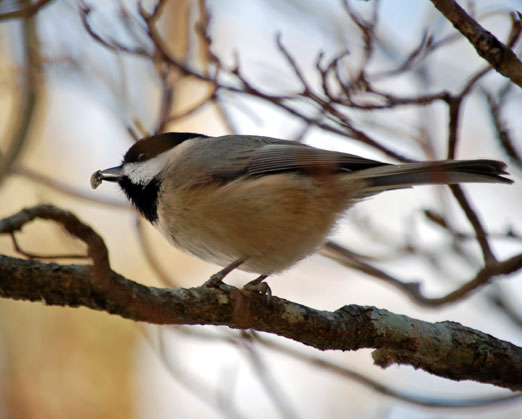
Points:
[(25, 10), (445, 349), (413, 289), (500, 57), (28, 91)]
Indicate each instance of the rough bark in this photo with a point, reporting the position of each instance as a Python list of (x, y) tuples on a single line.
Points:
[(446, 349), (498, 55)]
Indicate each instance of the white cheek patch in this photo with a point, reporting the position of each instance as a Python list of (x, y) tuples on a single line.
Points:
[(141, 173)]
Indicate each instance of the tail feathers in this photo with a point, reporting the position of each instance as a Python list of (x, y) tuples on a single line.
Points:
[(444, 172)]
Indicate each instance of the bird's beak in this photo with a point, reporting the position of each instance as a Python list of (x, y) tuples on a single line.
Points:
[(111, 175)]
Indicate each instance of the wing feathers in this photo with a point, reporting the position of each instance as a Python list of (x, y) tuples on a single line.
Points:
[(230, 157), (433, 173), (297, 157)]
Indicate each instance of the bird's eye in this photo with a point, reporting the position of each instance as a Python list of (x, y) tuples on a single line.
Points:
[(142, 156)]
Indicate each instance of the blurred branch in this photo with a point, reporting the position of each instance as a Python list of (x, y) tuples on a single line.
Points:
[(316, 360), (64, 188), (415, 399), (28, 94), (30, 255), (413, 289), (96, 249), (446, 349), (109, 43), (341, 124), (367, 29), (507, 304), (194, 108), (472, 216), (194, 385), (498, 55), (164, 277), (454, 109), (270, 385), (455, 102), (503, 135), (440, 221), (26, 10)]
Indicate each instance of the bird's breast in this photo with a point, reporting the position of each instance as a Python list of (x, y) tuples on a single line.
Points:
[(270, 221)]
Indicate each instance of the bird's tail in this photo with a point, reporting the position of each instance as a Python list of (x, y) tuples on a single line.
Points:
[(444, 172)]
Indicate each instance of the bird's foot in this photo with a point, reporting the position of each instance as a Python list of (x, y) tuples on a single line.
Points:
[(258, 285), (216, 280)]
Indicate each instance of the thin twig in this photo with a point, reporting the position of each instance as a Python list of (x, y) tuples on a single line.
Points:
[(194, 108), (96, 249), (111, 44), (503, 134), (471, 215), (454, 109), (413, 289), (498, 55), (28, 93), (199, 389), (414, 399), (151, 259), (446, 349), (26, 10), (267, 380), (67, 189), (30, 255), (324, 364)]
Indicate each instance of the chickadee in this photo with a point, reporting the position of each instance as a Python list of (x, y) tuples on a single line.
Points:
[(261, 204)]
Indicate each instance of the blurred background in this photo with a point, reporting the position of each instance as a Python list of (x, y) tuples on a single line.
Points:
[(86, 80)]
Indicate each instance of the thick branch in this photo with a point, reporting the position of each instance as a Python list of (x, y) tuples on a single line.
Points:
[(498, 55), (446, 349)]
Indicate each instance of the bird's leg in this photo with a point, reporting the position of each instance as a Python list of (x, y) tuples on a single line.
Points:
[(260, 286), (217, 279)]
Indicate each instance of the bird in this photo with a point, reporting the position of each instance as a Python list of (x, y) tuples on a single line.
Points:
[(262, 204)]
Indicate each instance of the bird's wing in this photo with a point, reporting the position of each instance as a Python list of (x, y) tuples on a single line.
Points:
[(275, 158), (254, 156)]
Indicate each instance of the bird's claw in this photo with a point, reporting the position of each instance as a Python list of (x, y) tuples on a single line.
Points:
[(215, 281), (261, 287)]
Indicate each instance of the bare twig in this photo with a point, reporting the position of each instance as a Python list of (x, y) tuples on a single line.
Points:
[(503, 134), (198, 388), (194, 108), (414, 399), (412, 289), (446, 349), (30, 255), (454, 109), (96, 249), (157, 10), (324, 364), (267, 380), (471, 215), (151, 259), (508, 305), (111, 44), (28, 93), (443, 222), (498, 55), (367, 29), (64, 188), (166, 101), (26, 10)]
